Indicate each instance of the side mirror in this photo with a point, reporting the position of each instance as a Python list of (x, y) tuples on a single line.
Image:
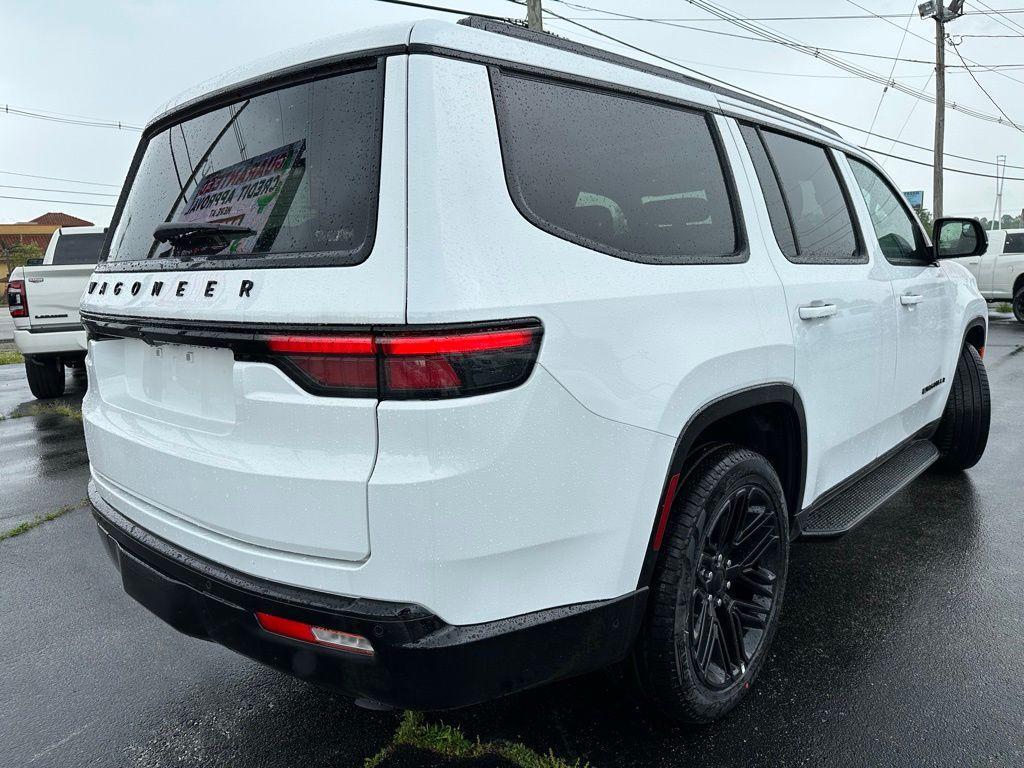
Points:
[(955, 238)]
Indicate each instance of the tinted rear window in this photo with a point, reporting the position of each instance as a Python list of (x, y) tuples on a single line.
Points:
[(78, 249), (299, 166), (776, 204), (628, 177), (817, 202), (1014, 243)]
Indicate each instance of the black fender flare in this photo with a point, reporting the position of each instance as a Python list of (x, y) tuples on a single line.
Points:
[(727, 405)]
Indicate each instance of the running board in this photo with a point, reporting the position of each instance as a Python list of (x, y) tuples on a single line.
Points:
[(844, 510)]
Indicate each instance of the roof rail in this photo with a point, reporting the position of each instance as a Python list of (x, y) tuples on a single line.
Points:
[(511, 29)]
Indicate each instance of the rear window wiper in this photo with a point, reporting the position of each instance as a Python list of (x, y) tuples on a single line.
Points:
[(182, 235)]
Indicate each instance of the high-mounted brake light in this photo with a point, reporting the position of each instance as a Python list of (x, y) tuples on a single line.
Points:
[(454, 361), (17, 301), (309, 633)]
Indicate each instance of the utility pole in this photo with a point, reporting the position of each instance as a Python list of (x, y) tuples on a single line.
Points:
[(942, 15), (534, 20), (997, 211)]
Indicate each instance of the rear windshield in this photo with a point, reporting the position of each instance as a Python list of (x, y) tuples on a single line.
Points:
[(78, 249), (293, 171)]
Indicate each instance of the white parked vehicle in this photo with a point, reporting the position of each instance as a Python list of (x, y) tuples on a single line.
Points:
[(43, 300), (1000, 271), (435, 361)]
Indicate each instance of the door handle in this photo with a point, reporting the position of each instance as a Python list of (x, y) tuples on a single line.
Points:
[(817, 311), (910, 299)]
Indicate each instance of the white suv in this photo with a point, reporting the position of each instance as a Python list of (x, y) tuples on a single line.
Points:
[(438, 361)]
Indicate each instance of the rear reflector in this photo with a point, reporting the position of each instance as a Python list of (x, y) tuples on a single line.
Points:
[(454, 361), (308, 633), (17, 302)]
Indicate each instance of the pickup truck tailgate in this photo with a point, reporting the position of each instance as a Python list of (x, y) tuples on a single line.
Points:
[(53, 293)]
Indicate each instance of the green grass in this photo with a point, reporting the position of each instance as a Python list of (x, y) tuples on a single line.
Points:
[(38, 520), (449, 742), (61, 409), (1004, 307), (10, 356)]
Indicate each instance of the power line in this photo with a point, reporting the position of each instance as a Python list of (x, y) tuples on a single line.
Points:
[(760, 96), (1001, 19), (58, 178), (50, 189), (1016, 125), (46, 200), (930, 42), (739, 89), (430, 7), (839, 17), (55, 118), (892, 71)]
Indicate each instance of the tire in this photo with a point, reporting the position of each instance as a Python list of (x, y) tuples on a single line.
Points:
[(963, 432), (1018, 304), (45, 377), (689, 670)]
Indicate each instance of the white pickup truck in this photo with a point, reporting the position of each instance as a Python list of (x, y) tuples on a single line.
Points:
[(43, 300), (1000, 272)]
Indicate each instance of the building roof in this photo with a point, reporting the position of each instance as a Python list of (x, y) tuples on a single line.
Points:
[(58, 219), (9, 240)]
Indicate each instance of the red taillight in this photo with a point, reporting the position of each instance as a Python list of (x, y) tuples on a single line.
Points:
[(17, 301), (405, 364), (310, 633)]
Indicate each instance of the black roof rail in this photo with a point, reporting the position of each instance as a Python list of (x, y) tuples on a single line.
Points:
[(511, 29)]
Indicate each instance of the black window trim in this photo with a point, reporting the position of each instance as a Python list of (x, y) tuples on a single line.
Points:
[(863, 253), (299, 75), (741, 252), (924, 242)]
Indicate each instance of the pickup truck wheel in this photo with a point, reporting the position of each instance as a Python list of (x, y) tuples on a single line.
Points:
[(717, 588), (1018, 305), (45, 377), (963, 431)]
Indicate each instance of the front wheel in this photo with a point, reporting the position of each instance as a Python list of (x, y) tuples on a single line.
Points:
[(963, 432), (45, 377), (717, 588)]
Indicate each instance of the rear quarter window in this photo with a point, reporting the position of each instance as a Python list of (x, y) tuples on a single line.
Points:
[(78, 249), (629, 177), (298, 165), (1014, 243)]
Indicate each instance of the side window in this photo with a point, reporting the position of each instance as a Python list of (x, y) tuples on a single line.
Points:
[(632, 178), (1014, 243), (898, 235), (772, 193), (820, 221)]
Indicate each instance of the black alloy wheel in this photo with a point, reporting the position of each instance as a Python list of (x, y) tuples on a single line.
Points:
[(735, 587)]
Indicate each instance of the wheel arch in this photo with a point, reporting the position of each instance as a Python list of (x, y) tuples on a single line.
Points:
[(747, 417), (975, 334)]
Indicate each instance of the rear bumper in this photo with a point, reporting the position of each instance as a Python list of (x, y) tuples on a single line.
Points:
[(43, 342), (419, 661)]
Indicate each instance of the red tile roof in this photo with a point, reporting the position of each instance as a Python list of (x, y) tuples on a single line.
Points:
[(60, 220), (9, 241)]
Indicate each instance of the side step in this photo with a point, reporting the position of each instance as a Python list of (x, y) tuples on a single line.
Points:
[(842, 511)]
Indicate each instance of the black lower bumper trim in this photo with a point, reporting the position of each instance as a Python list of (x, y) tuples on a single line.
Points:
[(419, 661)]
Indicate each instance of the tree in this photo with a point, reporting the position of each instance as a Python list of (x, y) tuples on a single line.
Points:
[(18, 255), (926, 218)]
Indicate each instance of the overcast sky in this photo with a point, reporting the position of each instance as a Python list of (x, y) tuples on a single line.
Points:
[(118, 61)]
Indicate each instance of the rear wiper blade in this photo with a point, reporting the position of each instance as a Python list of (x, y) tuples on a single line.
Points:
[(182, 235)]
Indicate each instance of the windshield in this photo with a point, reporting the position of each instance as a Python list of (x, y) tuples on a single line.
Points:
[(295, 169)]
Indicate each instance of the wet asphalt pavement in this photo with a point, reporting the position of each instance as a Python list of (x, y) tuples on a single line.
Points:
[(900, 643)]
